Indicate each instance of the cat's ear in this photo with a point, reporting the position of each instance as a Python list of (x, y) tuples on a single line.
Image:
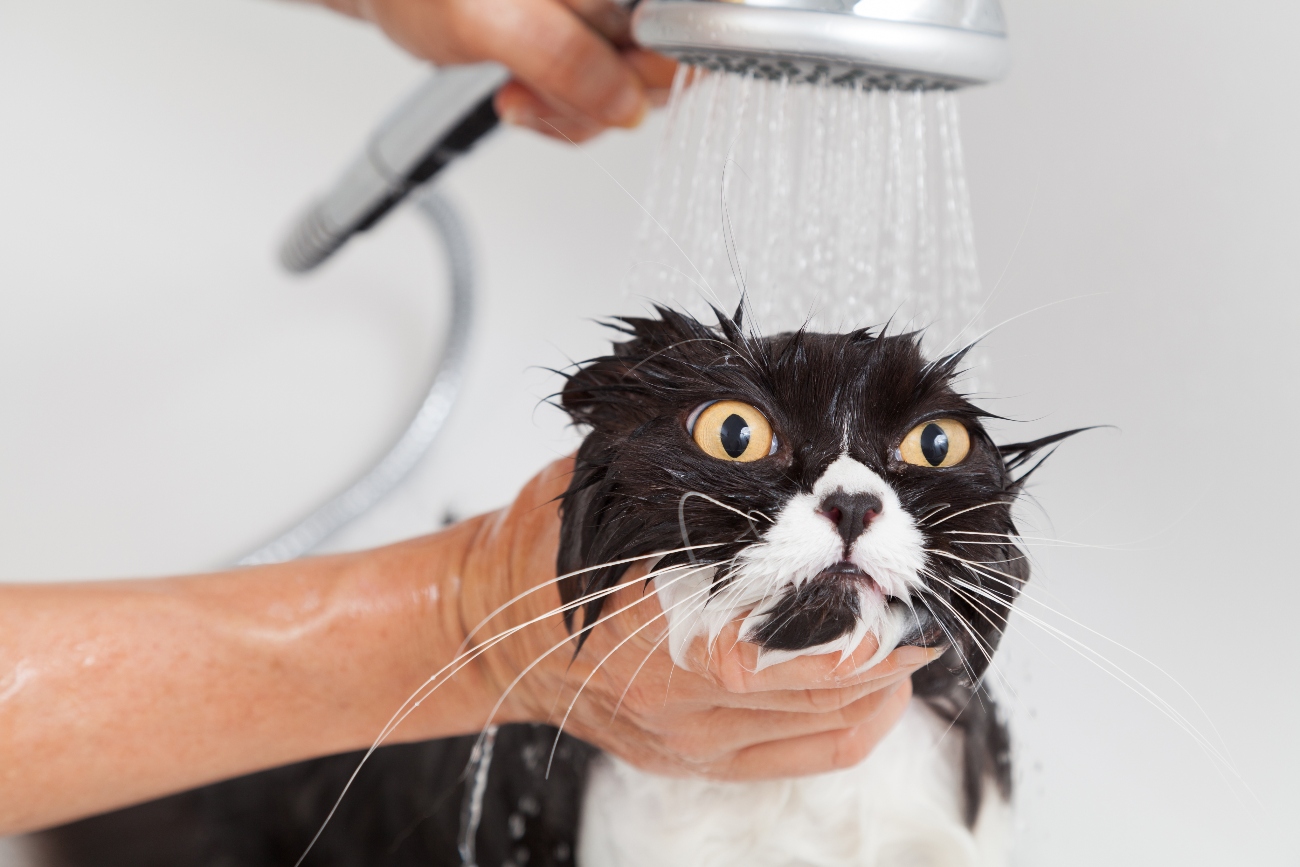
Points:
[(619, 390), (597, 390), (1017, 455)]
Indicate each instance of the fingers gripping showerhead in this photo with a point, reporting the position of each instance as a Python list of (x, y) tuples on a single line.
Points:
[(884, 43)]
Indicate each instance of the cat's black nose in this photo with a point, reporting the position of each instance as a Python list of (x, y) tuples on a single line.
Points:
[(850, 513)]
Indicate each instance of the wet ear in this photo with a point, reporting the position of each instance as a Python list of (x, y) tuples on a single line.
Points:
[(1017, 455), (594, 391), (617, 391)]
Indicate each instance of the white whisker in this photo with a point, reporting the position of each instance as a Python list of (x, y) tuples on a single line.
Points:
[(647, 658), (568, 640), (1130, 682), (952, 642), (627, 560), (964, 511), (449, 670), (605, 658)]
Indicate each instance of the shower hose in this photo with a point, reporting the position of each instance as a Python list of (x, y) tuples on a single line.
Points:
[(373, 485)]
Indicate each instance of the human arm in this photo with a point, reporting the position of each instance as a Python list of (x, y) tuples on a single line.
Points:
[(576, 70), (118, 692)]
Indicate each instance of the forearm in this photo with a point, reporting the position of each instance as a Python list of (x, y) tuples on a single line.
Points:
[(123, 691)]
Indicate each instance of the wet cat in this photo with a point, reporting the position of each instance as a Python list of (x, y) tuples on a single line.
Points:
[(830, 486)]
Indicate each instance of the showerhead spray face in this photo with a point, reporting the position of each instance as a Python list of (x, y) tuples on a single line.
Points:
[(883, 43)]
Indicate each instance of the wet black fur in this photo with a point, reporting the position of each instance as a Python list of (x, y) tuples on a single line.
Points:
[(632, 470), (818, 612), (637, 462), (404, 810)]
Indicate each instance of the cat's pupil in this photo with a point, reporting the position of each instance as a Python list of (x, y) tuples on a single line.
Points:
[(734, 434), (934, 444)]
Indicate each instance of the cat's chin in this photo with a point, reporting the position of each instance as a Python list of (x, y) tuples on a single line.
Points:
[(820, 611), (858, 609), (853, 607)]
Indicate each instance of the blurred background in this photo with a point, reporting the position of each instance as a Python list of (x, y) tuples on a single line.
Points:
[(169, 399)]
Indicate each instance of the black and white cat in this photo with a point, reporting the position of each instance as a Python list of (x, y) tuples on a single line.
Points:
[(842, 487), (850, 490)]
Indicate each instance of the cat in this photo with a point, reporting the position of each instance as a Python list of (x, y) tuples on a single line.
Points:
[(829, 486)]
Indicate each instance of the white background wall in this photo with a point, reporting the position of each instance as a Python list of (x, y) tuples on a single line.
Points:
[(168, 399)]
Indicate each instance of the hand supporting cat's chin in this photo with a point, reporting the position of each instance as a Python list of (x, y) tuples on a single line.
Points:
[(742, 666), (841, 614)]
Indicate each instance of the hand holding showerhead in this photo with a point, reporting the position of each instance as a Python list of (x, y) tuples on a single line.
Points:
[(573, 62), (566, 68)]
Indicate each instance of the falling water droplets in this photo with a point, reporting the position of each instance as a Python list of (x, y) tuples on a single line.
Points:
[(847, 206)]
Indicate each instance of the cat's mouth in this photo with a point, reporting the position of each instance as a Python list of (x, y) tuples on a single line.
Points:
[(820, 610), (844, 571)]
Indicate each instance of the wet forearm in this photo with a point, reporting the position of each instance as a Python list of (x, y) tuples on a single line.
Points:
[(118, 692)]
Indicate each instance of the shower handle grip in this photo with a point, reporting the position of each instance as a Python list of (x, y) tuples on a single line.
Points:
[(439, 121)]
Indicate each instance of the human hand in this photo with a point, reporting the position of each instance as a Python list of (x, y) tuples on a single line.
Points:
[(576, 69), (721, 718)]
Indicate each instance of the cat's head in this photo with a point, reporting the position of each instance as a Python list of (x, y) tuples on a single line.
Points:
[(821, 486)]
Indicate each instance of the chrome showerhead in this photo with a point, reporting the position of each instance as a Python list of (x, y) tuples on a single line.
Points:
[(883, 43)]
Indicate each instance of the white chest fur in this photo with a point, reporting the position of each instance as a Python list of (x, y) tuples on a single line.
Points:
[(899, 808)]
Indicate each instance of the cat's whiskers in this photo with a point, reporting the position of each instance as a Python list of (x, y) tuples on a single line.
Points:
[(965, 511), (567, 640), (1028, 592), (1015, 580), (636, 263), (728, 598), (952, 641), (984, 575), (649, 654), (1094, 657), (775, 583), (681, 519), (948, 554), (999, 625), (573, 703), (933, 511), (981, 643), (464, 658), (976, 686), (459, 662), (978, 339), (1028, 596), (626, 561), (1219, 759), (1028, 541)]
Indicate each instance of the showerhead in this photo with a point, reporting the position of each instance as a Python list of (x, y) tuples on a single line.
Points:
[(884, 43)]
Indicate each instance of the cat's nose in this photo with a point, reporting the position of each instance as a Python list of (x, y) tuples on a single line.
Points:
[(850, 513)]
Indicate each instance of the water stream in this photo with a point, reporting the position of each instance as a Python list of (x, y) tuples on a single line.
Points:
[(836, 205)]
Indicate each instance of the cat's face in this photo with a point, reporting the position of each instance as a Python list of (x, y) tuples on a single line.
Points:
[(827, 486)]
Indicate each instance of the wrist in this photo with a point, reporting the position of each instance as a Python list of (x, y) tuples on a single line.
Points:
[(411, 631), (510, 603)]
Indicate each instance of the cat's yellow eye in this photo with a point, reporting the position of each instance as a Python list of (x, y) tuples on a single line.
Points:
[(730, 430), (942, 442)]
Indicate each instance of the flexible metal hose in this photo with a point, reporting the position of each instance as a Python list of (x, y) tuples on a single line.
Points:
[(415, 441)]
